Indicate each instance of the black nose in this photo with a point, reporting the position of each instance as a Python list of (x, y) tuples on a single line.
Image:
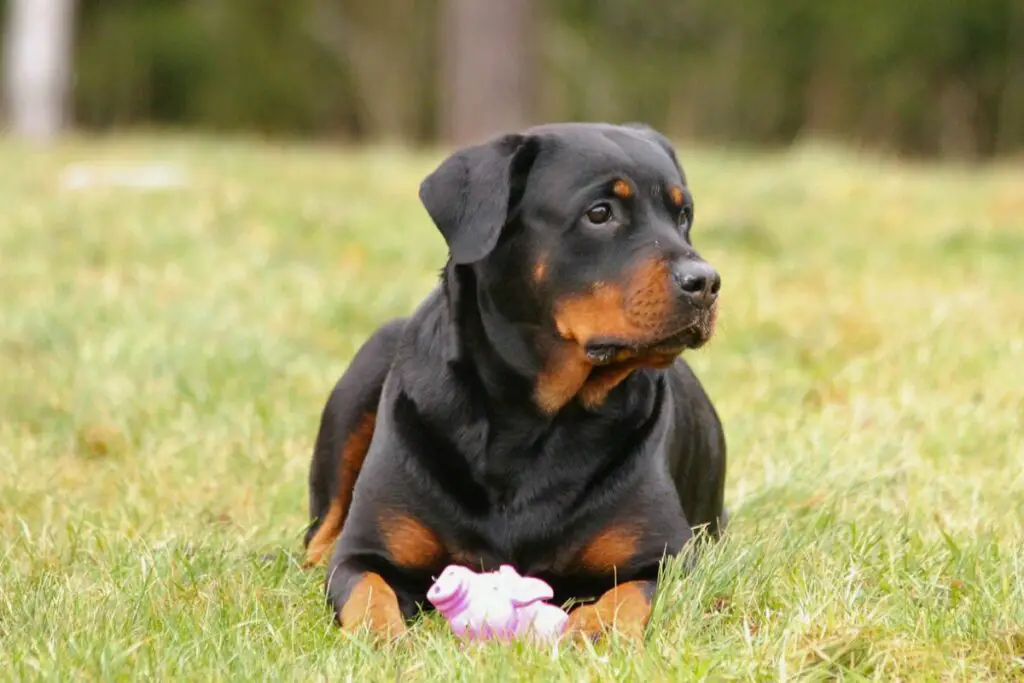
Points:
[(698, 281)]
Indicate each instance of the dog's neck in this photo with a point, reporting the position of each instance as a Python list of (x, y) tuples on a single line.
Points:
[(501, 352)]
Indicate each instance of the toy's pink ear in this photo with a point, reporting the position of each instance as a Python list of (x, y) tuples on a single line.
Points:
[(527, 590), (508, 572)]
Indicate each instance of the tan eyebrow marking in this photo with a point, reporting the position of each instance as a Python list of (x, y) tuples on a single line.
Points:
[(675, 193)]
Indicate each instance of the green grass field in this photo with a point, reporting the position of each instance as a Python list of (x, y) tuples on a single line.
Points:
[(165, 357)]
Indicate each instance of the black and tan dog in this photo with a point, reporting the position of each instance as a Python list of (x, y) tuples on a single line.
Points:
[(534, 410)]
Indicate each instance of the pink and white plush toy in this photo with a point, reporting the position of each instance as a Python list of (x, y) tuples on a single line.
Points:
[(501, 605)]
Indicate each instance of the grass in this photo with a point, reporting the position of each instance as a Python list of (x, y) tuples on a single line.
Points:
[(165, 357)]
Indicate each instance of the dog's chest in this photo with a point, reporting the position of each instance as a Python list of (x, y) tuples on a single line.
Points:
[(543, 490)]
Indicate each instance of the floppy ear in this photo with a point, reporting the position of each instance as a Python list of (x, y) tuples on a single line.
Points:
[(523, 590), (530, 590), (470, 195)]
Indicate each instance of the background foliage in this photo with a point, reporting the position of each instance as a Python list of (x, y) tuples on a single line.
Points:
[(917, 77)]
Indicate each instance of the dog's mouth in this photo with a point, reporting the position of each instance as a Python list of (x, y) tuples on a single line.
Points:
[(658, 352)]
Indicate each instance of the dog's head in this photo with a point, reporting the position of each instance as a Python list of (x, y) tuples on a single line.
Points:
[(582, 233)]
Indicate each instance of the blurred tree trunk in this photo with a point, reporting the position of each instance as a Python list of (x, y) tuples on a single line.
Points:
[(1008, 135), (487, 67), (387, 48), (38, 65)]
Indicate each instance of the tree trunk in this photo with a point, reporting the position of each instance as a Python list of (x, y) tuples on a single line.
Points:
[(38, 66), (488, 67)]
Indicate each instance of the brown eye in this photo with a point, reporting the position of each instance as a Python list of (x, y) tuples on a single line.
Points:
[(599, 214)]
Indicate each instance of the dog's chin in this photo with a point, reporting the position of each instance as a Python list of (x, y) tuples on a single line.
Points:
[(659, 352), (692, 337)]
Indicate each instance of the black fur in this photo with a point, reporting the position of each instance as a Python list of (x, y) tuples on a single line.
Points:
[(460, 442)]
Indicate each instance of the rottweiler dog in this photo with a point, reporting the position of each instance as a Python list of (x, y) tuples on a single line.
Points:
[(535, 408)]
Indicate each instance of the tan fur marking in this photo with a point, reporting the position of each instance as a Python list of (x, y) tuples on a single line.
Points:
[(609, 549), (622, 189), (411, 544), (638, 312), (675, 193), (634, 314), (540, 270), (566, 371), (350, 463), (624, 609), (603, 380), (325, 536), (373, 604)]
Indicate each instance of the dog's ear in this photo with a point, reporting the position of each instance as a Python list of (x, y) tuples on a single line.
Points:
[(659, 139), (472, 194)]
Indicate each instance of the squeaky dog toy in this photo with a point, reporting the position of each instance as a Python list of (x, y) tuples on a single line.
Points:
[(499, 605)]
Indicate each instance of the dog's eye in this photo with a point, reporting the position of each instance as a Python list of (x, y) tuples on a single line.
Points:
[(599, 214), (684, 219)]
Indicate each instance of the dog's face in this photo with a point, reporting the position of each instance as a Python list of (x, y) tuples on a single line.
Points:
[(582, 230)]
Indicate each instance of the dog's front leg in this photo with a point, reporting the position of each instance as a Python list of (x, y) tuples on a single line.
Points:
[(363, 599), (625, 609)]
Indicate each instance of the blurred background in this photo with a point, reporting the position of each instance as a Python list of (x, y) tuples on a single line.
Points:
[(918, 77), (229, 208)]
